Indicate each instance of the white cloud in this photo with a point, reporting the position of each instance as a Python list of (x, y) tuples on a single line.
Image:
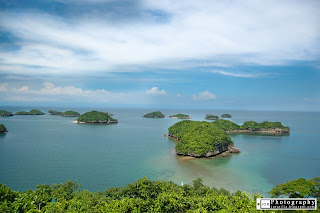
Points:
[(3, 87), (205, 95), (260, 32), (23, 89), (178, 95), (155, 91), (241, 75)]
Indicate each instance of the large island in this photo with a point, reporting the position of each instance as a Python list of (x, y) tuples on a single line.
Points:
[(31, 112), (201, 139), (252, 127), (3, 129), (96, 117), (156, 114), (180, 116), (4, 113), (65, 114)]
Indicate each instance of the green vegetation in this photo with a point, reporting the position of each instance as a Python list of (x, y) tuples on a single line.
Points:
[(199, 139), (226, 116), (31, 112), (227, 125), (298, 188), (265, 125), (142, 196), (3, 129), (96, 117), (212, 117), (156, 114), (65, 114), (4, 113), (180, 116)]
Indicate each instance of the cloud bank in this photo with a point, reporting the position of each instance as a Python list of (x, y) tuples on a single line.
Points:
[(155, 91), (186, 32)]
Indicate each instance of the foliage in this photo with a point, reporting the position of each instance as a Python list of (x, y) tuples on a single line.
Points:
[(299, 188), (265, 125), (3, 128), (95, 117), (31, 112), (199, 138), (156, 114), (65, 114), (142, 196), (249, 125), (226, 116), (180, 116), (226, 125), (4, 113), (212, 117)]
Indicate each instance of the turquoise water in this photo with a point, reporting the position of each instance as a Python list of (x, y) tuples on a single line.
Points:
[(51, 149)]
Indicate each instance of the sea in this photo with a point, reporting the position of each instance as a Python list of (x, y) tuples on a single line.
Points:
[(49, 149)]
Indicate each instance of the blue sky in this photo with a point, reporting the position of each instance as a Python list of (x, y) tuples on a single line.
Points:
[(251, 55)]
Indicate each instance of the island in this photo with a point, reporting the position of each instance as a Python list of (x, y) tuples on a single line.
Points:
[(226, 116), (156, 114), (211, 117), (65, 114), (201, 139), (31, 112), (252, 127), (4, 113), (3, 129), (180, 116), (96, 117)]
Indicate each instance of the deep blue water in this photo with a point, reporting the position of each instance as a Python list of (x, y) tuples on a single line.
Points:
[(51, 149)]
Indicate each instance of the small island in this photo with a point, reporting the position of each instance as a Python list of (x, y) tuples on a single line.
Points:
[(252, 127), (156, 114), (31, 112), (3, 129), (65, 114), (96, 117), (226, 116), (4, 113), (201, 139), (211, 117), (180, 116)]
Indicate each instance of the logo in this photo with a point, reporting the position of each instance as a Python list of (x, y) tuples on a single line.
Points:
[(287, 203)]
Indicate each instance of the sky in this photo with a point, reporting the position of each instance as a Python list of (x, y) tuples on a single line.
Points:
[(215, 54)]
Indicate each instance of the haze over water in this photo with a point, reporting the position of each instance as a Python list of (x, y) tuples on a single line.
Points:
[(51, 149)]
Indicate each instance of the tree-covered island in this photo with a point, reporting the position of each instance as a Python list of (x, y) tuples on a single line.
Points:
[(96, 117), (226, 116), (201, 139), (65, 114), (3, 129), (31, 112), (180, 116), (4, 113), (252, 127), (156, 114), (211, 117)]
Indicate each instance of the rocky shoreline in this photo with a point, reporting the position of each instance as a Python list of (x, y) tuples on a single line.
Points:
[(220, 151), (98, 122), (272, 131)]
